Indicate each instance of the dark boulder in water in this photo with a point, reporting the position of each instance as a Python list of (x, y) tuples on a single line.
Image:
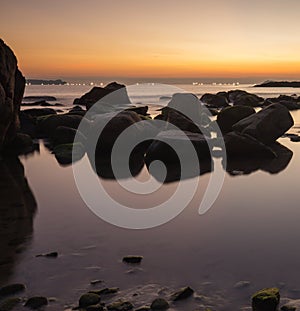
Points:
[(117, 95), (66, 135), (228, 116), (267, 125), (266, 300), (12, 85), (243, 98), (39, 112), (214, 100)]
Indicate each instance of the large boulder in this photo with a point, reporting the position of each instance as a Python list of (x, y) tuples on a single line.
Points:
[(267, 125), (117, 96), (12, 85), (214, 100), (231, 115), (290, 102), (266, 300)]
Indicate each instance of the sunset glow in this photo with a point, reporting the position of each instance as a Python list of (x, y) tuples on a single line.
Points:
[(234, 38)]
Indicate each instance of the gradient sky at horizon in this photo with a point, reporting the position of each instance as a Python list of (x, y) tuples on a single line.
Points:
[(136, 38)]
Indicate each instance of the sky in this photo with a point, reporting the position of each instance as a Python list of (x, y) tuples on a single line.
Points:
[(154, 39)]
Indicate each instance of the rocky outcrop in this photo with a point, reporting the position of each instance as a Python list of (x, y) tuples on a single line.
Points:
[(215, 100), (243, 98), (117, 96), (12, 85), (279, 84)]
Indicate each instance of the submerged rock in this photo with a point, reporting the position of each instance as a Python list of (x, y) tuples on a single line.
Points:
[(69, 153), (39, 112), (11, 289), (160, 304), (36, 302), (183, 293), (88, 300), (266, 300), (49, 255)]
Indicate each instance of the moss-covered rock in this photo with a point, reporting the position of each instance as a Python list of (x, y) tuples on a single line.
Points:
[(89, 299), (9, 303), (183, 293), (266, 300), (36, 302), (11, 289), (160, 304)]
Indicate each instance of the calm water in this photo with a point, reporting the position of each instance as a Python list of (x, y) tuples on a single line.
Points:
[(251, 232)]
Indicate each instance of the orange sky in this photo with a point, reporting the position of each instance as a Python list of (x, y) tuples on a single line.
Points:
[(191, 38)]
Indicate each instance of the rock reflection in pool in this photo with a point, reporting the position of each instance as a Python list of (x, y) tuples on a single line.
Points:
[(17, 208), (247, 165)]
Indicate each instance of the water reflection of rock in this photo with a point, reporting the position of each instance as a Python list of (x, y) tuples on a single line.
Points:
[(247, 165), (17, 208)]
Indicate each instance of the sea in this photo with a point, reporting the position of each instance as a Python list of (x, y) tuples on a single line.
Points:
[(247, 240)]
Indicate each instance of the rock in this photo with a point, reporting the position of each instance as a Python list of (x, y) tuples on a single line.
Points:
[(161, 150), (120, 306), (159, 304), (133, 259), (21, 144), (242, 284), (9, 303), (143, 308), (88, 300), (295, 138), (105, 291), (49, 255), (28, 124), (95, 282), (178, 119), (266, 300), (279, 84), (245, 145), (113, 93), (228, 116), (36, 302), (66, 135), (267, 125), (290, 102), (288, 308), (97, 307), (39, 112), (183, 293), (64, 153), (214, 100), (11, 289), (12, 85), (243, 98), (40, 98), (48, 125), (141, 110)]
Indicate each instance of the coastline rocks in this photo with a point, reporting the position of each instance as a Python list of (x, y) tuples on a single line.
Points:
[(120, 306), (12, 85), (243, 98), (38, 112), (267, 125), (40, 98), (279, 84), (114, 93), (214, 100), (266, 300), (66, 135), (228, 116)]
